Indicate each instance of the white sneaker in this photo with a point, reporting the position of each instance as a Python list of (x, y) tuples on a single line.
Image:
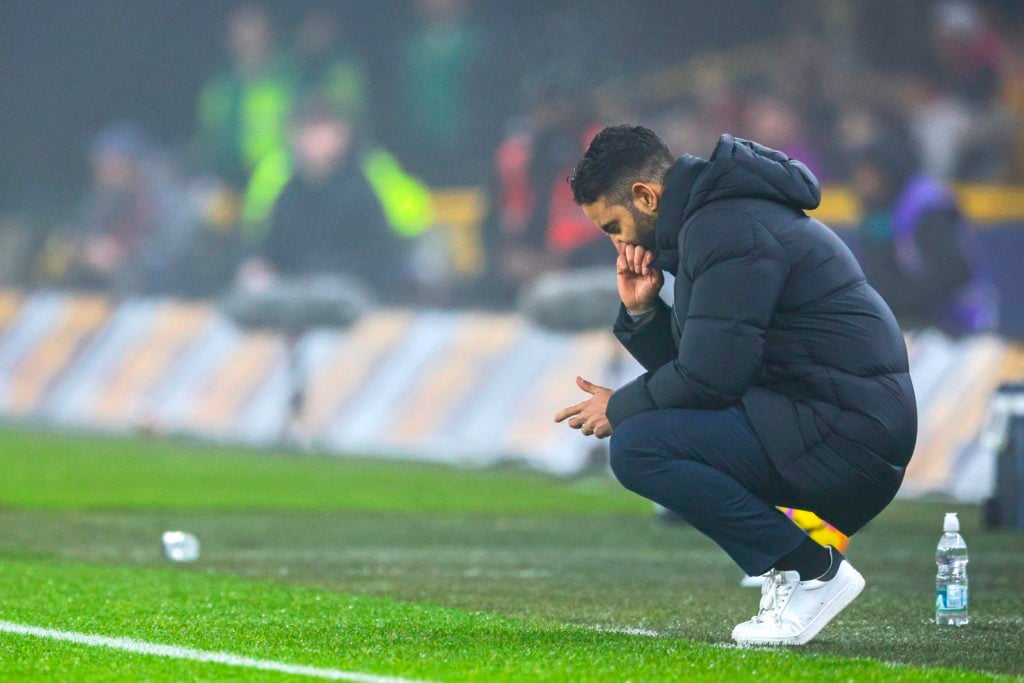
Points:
[(753, 581), (794, 611)]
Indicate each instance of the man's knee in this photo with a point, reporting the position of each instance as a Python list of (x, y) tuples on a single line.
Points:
[(629, 447)]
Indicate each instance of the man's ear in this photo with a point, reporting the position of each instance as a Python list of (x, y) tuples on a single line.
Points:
[(646, 196)]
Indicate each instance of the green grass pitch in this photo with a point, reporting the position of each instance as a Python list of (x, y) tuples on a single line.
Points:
[(431, 573)]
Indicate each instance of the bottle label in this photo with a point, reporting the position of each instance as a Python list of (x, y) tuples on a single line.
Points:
[(951, 598)]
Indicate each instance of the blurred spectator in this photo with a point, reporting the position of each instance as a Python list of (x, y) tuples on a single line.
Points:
[(969, 123), (683, 130), (328, 67), (332, 215), (858, 126), (719, 103), (441, 89), (968, 51), (939, 123), (915, 247), (243, 111), (539, 227), (810, 74), (774, 122), (406, 201), (137, 223)]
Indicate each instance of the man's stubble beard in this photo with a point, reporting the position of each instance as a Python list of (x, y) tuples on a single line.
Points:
[(644, 227)]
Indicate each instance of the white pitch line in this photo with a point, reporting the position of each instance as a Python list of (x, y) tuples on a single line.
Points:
[(176, 652), (625, 630)]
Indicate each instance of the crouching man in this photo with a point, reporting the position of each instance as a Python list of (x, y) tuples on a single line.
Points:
[(778, 378)]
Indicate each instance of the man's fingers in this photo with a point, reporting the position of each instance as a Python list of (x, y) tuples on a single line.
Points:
[(587, 386), (637, 260), (568, 412), (590, 425), (577, 422), (598, 426), (621, 265)]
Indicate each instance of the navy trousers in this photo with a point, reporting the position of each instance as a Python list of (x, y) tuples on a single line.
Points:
[(709, 467)]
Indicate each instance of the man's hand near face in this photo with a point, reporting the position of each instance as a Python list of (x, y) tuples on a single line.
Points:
[(639, 283), (589, 416)]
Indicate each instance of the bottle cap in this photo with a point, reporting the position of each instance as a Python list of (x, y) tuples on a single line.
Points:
[(951, 523)]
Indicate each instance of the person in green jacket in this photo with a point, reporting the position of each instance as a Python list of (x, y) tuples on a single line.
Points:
[(442, 83), (244, 110)]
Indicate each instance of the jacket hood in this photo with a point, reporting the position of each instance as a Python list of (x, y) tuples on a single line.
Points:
[(737, 169)]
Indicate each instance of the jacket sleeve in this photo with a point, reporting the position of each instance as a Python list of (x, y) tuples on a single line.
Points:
[(738, 270), (649, 339)]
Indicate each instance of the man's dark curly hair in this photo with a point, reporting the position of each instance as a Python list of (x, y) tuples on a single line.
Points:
[(618, 157)]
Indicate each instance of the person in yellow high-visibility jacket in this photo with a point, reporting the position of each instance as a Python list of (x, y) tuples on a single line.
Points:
[(330, 205), (406, 201)]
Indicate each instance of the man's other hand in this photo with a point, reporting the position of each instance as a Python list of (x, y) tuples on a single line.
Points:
[(639, 283), (589, 416)]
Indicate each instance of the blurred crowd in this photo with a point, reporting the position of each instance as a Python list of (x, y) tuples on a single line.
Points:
[(289, 173)]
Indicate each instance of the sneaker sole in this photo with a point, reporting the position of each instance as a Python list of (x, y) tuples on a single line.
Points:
[(836, 605)]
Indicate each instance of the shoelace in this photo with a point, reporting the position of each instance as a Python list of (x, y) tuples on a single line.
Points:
[(774, 595)]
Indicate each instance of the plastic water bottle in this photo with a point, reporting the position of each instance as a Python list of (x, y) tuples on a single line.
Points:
[(951, 580), (180, 546)]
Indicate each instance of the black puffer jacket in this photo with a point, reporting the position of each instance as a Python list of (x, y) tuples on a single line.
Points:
[(773, 311)]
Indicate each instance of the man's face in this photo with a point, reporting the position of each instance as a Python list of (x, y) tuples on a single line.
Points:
[(321, 145), (630, 223)]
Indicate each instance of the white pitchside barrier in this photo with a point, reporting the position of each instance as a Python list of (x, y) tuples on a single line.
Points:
[(454, 387)]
